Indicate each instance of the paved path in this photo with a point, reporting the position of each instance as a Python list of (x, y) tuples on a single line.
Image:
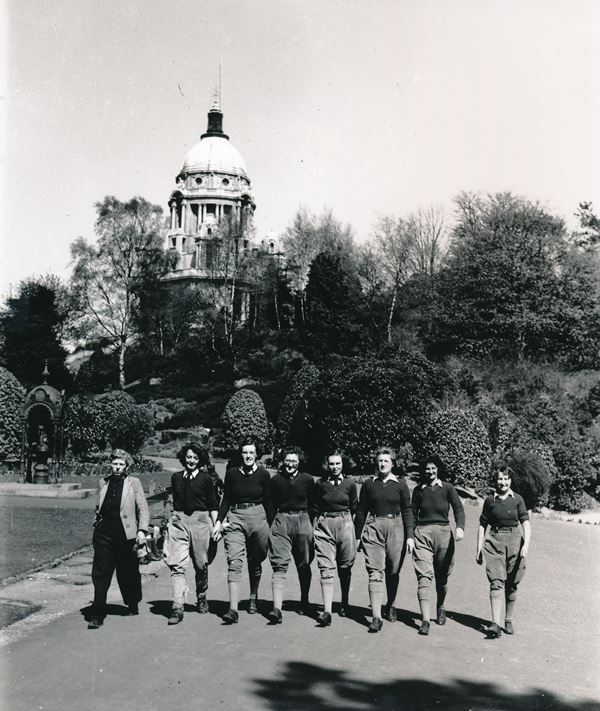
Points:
[(51, 661)]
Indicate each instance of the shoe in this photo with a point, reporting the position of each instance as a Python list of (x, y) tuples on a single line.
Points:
[(424, 628), (176, 616), (508, 627), (95, 623), (231, 616), (493, 631), (202, 605), (343, 610), (252, 606), (441, 616), (376, 624), (133, 609), (275, 616), (324, 619), (390, 614)]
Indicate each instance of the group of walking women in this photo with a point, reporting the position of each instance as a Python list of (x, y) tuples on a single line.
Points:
[(290, 516)]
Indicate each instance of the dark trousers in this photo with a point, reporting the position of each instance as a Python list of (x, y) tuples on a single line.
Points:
[(112, 551)]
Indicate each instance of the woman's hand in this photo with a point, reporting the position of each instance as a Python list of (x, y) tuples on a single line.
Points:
[(479, 557), (141, 537), (460, 534), (524, 551), (217, 532), (410, 545)]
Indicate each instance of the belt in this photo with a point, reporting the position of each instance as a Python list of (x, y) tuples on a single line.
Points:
[(244, 505), (503, 529), (387, 515), (293, 513), (334, 514)]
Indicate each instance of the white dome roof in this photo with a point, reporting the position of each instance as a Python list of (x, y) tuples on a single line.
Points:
[(214, 153)]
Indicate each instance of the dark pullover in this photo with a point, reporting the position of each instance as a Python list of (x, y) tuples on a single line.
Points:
[(431, 504), (197, 494), (240, 488), (330, 497), (382, 499), (292, 494)]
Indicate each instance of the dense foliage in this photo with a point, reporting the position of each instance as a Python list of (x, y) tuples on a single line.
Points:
[(244, 415), (12, 395), (461, 440), (292, 415), (361, 403), (112, 419), (531, 477), (32, 326)]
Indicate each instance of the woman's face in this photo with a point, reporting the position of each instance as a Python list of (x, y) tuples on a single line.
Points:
[(191, 460), (384, 464), (503, 482), (431, 471), (291, 463), (118, 466), (334, 465), (249, 455)]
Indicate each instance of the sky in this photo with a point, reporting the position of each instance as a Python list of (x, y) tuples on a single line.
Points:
[(367, 107)]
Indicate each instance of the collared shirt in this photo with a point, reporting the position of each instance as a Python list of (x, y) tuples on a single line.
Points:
[(337, 494), (437, 482), (336, 481), (431, 504), (389, 477), (503, 510), (190, 475), (250, 471), (291, 477)]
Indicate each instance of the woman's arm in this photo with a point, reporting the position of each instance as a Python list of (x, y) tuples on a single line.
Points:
[(526, 538), (480, 539)]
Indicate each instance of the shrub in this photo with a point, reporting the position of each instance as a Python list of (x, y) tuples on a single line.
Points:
[(552, 422), (244, 415), (461, 440), (113, 419), (361, 403), (531, 477), (293, 412), (499, 424), (12, 395)]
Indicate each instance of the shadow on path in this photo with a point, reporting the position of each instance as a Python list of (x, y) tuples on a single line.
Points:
[(299, 686)]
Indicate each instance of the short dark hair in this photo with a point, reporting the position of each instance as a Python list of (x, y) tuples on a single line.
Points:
[(198, 450), (335, 452), (248, 441), (291, 449), (433, 459)]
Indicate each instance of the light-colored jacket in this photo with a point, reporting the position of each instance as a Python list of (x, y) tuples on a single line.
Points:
[(134, 509)]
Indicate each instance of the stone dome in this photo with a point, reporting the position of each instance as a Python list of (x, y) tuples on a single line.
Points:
[(214, 154)]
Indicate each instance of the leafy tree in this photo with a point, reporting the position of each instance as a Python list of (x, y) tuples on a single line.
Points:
[(588, 234), (292, 414), (245, 415), (362, 402), (108, 277), (307, 236), (498, 293), (459, 437), (32, 327), (531, 477), (12, 395), (334, 306), (113, 419)]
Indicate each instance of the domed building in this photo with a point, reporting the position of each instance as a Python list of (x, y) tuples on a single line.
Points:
[(212, 201)]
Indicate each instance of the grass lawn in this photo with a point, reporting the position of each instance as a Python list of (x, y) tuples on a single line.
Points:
[(32, 536)]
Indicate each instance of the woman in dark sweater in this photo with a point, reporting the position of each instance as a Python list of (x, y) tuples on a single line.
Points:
[(244, 518), (194, 511), (506, 520), (433, 554), (335, 503), (383, 523)]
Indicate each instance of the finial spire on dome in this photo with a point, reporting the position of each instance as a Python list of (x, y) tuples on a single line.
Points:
[(215, 115)]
